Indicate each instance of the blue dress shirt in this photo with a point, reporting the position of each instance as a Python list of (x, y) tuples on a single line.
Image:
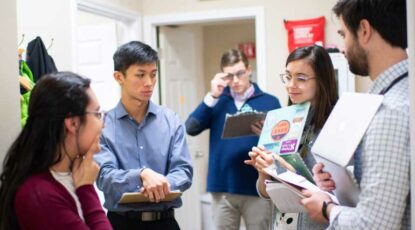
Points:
[(127, 147)]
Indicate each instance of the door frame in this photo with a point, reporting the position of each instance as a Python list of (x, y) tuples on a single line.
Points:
[(150, 24), (130, 19)]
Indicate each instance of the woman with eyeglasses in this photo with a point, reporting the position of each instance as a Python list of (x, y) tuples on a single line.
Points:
[(49, 171), (309, 76)]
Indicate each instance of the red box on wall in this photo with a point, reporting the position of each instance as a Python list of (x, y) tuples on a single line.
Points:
[(248, 48), (305, 32)]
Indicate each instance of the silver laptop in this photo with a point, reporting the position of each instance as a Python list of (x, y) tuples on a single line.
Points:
[(339, 138)]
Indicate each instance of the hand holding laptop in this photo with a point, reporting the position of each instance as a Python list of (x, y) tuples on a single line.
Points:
[(323, 179)]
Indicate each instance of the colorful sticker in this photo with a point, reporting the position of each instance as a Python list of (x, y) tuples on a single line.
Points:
[(280, 130), (288, 146)]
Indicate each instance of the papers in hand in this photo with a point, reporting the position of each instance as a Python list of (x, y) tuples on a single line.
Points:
[(284, 198), (137, 197), (240, 124), (287, 199)]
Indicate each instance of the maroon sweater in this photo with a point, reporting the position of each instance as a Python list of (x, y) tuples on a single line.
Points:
[(43, 203)]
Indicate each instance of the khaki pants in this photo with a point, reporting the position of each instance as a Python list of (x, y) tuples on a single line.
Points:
[(227, 210)]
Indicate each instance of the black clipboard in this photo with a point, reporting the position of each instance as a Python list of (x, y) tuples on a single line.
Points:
[(239, 125)]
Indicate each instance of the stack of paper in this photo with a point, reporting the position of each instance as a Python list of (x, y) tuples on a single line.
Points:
[(287, 198)]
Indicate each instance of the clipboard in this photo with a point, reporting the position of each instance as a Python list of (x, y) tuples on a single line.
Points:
[(138, 197), (239, 125)]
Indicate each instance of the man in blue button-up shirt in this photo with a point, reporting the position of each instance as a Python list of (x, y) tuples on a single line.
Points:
[(143, 146)]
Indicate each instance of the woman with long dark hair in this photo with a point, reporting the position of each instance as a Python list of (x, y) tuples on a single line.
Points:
[(309, 76), (49, 171)]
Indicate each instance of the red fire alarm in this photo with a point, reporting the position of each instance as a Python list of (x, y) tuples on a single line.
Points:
[(248, 48)]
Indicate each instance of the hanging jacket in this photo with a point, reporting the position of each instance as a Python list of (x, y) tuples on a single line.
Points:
[(24, 103), (38, 59)]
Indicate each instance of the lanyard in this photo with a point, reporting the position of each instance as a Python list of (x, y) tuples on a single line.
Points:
[(398, 79)]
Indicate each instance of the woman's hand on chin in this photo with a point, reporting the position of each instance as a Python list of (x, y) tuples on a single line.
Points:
[(84, 169)]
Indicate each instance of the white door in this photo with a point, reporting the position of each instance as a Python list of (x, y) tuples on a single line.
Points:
[(95, 47), (182, 90)]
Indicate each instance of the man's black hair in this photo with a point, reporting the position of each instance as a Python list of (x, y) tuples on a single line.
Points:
[(131, 53)]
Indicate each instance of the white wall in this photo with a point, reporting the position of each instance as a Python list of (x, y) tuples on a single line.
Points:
[(48, 19), (9, 87)]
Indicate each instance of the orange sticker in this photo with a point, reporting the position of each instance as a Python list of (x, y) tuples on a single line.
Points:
[(280, 130)]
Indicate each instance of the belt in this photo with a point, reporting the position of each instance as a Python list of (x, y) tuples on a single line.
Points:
[(148, 215)]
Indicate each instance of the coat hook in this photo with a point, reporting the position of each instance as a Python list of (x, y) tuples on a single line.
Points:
[(51, 43), (21, 41)]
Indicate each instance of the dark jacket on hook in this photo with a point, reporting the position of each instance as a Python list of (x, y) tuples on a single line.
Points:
[(38, 59)]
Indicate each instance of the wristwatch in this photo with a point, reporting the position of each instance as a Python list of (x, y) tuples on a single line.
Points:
[(324, 209)]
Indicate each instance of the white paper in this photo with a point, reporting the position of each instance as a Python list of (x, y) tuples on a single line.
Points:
[(289, 179), (284, 199)]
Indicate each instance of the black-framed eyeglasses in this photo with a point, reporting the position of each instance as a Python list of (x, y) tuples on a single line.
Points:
[(299, 79), (98, 114), (238, 75)]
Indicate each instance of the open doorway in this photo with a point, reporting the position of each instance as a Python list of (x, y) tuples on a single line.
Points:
[(189, 58)]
